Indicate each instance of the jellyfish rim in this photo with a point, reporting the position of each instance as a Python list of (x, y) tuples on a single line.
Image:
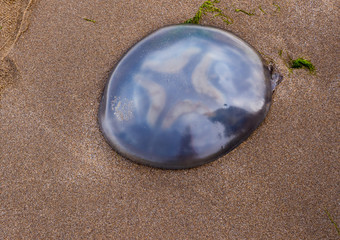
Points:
[(230, 146)]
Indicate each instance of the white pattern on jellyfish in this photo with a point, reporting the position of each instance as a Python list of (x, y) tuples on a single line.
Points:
[(157, 96), (200, 80), (182, 108), (171, 60)]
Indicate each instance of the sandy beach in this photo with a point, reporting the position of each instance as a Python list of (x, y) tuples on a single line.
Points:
[(59, 179)]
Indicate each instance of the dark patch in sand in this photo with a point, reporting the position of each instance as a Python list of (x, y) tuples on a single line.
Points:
[(9, 73), (13, 21)]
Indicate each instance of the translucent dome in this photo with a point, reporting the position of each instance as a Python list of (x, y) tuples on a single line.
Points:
[(184, 96)]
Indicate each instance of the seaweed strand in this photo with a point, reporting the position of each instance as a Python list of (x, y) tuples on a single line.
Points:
[(302, 63), (245, 12), (208, 6)]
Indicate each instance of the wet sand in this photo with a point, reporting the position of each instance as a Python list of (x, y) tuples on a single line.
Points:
[(59, 179)]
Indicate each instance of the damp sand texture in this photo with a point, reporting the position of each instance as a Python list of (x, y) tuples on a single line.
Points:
[(59, 179)]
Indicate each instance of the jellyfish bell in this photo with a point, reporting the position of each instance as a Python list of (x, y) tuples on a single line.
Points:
[(184, 96)]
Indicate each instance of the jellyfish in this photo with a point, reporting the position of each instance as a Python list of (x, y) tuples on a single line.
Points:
[(192, 94)]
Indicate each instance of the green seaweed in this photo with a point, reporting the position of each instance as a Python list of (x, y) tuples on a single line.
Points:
[(89, 20), (278, 8), (262, 10), (332, 221), (0, 27), (245, 12), (224, 18), (208, 6), (302, 63)]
